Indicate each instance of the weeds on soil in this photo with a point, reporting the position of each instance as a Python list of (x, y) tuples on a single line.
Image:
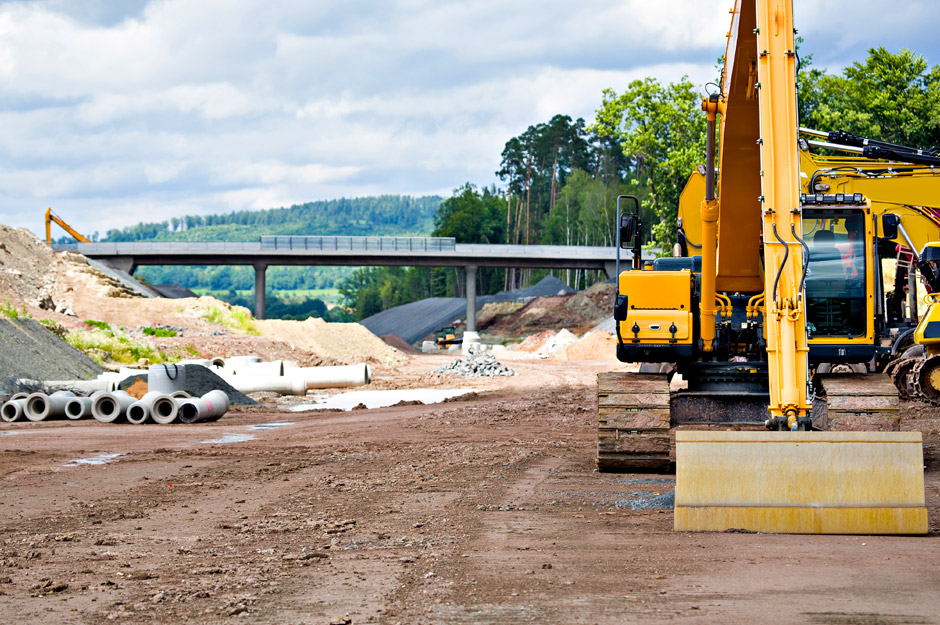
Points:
[(103, 344), (236, 318), (10, 311)]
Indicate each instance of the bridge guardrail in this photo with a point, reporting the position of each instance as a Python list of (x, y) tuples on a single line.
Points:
[(347, 243)]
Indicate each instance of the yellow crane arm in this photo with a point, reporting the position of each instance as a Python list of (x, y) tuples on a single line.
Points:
[(50, 217), (787, 348)]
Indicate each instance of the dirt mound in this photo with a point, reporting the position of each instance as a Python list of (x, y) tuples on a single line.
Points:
[(597, 345), (29, 350), (35, 277), (533, 342), (393, 340), (345, 342), (582, 310)]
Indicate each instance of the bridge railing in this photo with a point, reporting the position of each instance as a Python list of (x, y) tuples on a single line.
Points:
[(345, 243)]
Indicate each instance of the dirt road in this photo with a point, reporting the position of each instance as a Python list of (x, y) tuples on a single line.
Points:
[(486, 510)]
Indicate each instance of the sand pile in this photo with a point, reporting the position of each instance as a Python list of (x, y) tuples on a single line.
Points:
[(345, 342), (597, 345), (533, 342)]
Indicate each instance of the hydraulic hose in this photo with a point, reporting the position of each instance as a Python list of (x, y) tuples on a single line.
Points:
[(786, 255), (805, 259)]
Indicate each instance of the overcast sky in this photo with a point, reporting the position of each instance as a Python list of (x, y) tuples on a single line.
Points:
[(120, 111)]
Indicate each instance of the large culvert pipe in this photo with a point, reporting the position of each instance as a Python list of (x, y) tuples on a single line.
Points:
[(209, 407), (271, 368), (281, 384), (163, 408), (80, 407), (40, 406), (157, 406), (138, 412), (335, 377), (13, 410), (108, 407)]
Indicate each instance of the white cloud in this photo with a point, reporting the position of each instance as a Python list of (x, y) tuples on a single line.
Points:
[(117, 111)]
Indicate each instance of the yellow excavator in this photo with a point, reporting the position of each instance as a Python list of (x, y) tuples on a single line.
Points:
[(785, 280), (908, 189), (50, 217)]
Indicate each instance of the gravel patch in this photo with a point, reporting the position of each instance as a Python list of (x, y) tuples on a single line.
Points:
[(29, 350), (477, 364)]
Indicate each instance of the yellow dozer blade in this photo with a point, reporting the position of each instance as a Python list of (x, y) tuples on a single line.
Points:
[(800, 482)]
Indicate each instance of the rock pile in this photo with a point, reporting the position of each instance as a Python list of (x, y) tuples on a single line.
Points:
[(477, 364)]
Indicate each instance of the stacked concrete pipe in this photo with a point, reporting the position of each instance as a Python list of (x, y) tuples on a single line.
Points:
[(109, 407), (80, 407), (40, 406), (296, 380), (14, 408), (209, 407), (158, 407)]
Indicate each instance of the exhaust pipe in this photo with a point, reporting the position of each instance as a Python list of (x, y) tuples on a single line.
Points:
[(209, 407), (108, 407), (40, 406)]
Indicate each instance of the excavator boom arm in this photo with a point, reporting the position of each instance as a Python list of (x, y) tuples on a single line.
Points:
[(50, 217)]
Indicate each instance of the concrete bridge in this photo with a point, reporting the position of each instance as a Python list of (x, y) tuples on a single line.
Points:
[(352, 252)]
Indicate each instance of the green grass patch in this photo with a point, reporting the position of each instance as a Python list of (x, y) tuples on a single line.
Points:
[(101, 325), (10, 311), (107, 344), (159, 332), (235, 318)]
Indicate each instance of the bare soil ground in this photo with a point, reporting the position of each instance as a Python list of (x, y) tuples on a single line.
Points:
[(486, 510)]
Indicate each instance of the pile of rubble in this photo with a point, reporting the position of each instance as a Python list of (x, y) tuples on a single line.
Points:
[(477, 364)]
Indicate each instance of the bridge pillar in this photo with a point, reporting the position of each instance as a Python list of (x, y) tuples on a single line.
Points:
[(471, 272), (259, 289), (610, 268)]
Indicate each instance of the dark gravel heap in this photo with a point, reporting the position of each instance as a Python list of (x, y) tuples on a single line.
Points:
[(29, 350), (199, 381)]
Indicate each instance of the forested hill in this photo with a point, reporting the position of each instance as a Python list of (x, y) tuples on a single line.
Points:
[(384, 215)]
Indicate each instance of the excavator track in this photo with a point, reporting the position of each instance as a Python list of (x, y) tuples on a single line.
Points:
[(902, 374), (856, 402), (926, 378), (633, 422)]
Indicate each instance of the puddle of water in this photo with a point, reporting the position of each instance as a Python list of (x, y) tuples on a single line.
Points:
[(231, 438), (270, 426), (381, 399), (94, 460)]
